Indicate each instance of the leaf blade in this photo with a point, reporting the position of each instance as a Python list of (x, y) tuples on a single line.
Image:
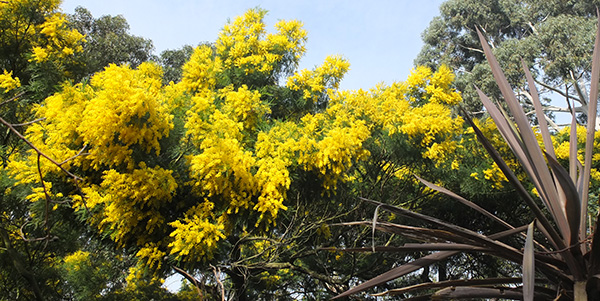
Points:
[(528, 265)]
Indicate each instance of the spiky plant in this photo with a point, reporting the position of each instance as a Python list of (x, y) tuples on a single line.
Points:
[(561, 251)]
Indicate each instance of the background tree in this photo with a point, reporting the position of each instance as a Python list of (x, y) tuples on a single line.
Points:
[(553, 37), (172, 62), (108, 41)]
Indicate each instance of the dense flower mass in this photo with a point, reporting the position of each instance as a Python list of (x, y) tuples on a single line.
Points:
[(171, 170), (60, 41)]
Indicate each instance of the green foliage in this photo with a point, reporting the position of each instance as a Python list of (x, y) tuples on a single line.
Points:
[(553, 37), (172, 62), (108, 41), (563, 225), (226, 164)]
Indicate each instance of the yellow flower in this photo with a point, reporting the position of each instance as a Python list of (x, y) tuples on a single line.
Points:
[(8, 82)]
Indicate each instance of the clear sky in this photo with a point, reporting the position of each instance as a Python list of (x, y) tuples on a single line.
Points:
[(380, 38)]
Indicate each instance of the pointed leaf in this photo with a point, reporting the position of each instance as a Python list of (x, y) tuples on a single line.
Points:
[(528, 265), (411, 247), (398, 272), (552, 235), (466, 202), (515, 144), (573, 149), (374, 226), (572, 202), (540, 172), (539, 111), (476, 292), (423, 262), (451, 283), (501, 249), (591, 126)]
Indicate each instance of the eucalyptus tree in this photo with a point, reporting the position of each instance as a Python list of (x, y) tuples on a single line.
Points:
[(553, 37)]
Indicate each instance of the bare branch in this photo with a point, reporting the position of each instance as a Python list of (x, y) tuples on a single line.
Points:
[(12, 98), (533, 29), (37, 150), (216, 271), (28, 123), (80, 153), (470, 48), (560, 92), (190, 278), (580, 92)]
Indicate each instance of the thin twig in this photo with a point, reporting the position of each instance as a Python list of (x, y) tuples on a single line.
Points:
[(38, 150), (28, 123), (48, 199), (80, 153), (46, 238), (12, 98), (567, 248), (219, 281)]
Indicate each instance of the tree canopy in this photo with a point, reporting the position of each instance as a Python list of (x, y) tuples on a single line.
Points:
[(553, 37), (224, 163)]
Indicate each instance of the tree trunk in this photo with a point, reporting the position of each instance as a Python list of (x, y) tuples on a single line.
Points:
[(593, 289), (580, 291), (442, 271)]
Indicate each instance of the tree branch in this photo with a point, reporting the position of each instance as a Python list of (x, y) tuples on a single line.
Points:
[(12, 98), (556, 90), (221, 287), (30, 122), (190, 278), (10, 126)]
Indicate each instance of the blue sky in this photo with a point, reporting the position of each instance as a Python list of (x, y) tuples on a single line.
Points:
[(379, 38)]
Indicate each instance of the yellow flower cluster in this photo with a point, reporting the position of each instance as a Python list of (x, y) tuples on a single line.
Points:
[(201, 71), (75, 260), (130, 199), (243, 106), (151, 255), (8, 82), (59, 41), (562, 146), (136, 278), (195, 237), (273, 180), (242, 44), (429, 122), (420, 108), (107, 120), (432, 87), (125, 109), (314, 83)]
